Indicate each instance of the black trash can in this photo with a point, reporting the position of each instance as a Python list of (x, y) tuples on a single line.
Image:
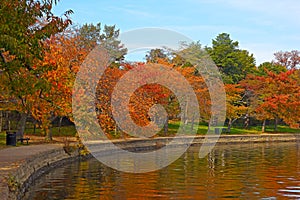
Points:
[(11, 138), (217, 131)]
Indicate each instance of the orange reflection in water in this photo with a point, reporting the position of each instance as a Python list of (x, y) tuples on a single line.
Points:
[(248, 171)]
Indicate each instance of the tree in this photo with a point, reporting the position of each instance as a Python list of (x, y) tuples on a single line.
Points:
[(63, 56), (147, 95), (233, 63), (25, 25), (91, 35), (187, 53), (275, 96), (154, 55), (288, 59), (236, 107), (270, 67)]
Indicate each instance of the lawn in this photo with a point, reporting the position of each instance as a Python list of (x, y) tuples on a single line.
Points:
[(70, 131), (202, 129), (2, 138)]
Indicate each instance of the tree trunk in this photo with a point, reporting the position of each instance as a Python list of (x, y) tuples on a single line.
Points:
[(48, 134), (59, 123), (34, 127), (229, 125), (276, 124), (7, 121), (247, 122), (22, 124), (166, 128), (193, 122), (263, 126), (1, 120), (48, 128)]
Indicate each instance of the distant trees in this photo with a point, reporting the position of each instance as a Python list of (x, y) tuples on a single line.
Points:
[(270, 67), (267, 92), (154, 55), (288, 59)]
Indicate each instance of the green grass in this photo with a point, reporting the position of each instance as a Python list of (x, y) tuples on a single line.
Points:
[(2, 138), (202, 129), (69, 131)]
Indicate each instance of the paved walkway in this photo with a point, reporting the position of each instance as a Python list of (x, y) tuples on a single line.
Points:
[(11, 158)]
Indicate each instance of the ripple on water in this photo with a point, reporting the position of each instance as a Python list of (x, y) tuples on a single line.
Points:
[(245, 171)]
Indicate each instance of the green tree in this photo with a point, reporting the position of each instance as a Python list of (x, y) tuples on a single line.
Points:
[(188, 53), (271, 67), (233, 63), (91, 35), (154, 55)]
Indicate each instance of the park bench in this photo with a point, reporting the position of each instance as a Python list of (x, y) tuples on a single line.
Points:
[(22, 139), (224, 130)]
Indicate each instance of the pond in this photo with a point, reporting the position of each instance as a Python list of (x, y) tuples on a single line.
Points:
[(245, 171)]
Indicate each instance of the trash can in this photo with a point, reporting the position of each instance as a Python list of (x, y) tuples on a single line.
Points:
[(11, 138), (217, 131)]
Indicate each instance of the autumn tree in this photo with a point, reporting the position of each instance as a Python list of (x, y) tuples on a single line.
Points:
[(58, 68), (26, 24), (275, 96), (236, 106), (288, 59)]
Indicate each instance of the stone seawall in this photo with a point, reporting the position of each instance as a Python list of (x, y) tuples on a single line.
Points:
[(149, 144), (36, 166), (17, 174), (21, 165)]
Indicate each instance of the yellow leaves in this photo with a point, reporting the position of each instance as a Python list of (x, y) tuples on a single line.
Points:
[(235, 107), (7, 56)]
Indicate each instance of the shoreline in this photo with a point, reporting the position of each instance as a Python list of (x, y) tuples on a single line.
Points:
[(17, 174)]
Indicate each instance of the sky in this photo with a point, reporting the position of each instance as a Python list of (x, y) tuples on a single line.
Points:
[(262, 27)]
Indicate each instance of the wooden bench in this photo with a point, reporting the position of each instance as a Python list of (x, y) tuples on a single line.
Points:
[(224, 130), (24, 139)]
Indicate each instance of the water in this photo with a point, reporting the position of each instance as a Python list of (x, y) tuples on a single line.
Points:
[(248, 171)]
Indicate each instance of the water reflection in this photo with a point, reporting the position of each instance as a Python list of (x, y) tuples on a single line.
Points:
[(248, 171)]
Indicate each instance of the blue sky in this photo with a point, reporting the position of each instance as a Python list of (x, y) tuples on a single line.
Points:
[(261, 26)]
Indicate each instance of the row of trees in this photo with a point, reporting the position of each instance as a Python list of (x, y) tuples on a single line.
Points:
[(41, 53), (270, 91)]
